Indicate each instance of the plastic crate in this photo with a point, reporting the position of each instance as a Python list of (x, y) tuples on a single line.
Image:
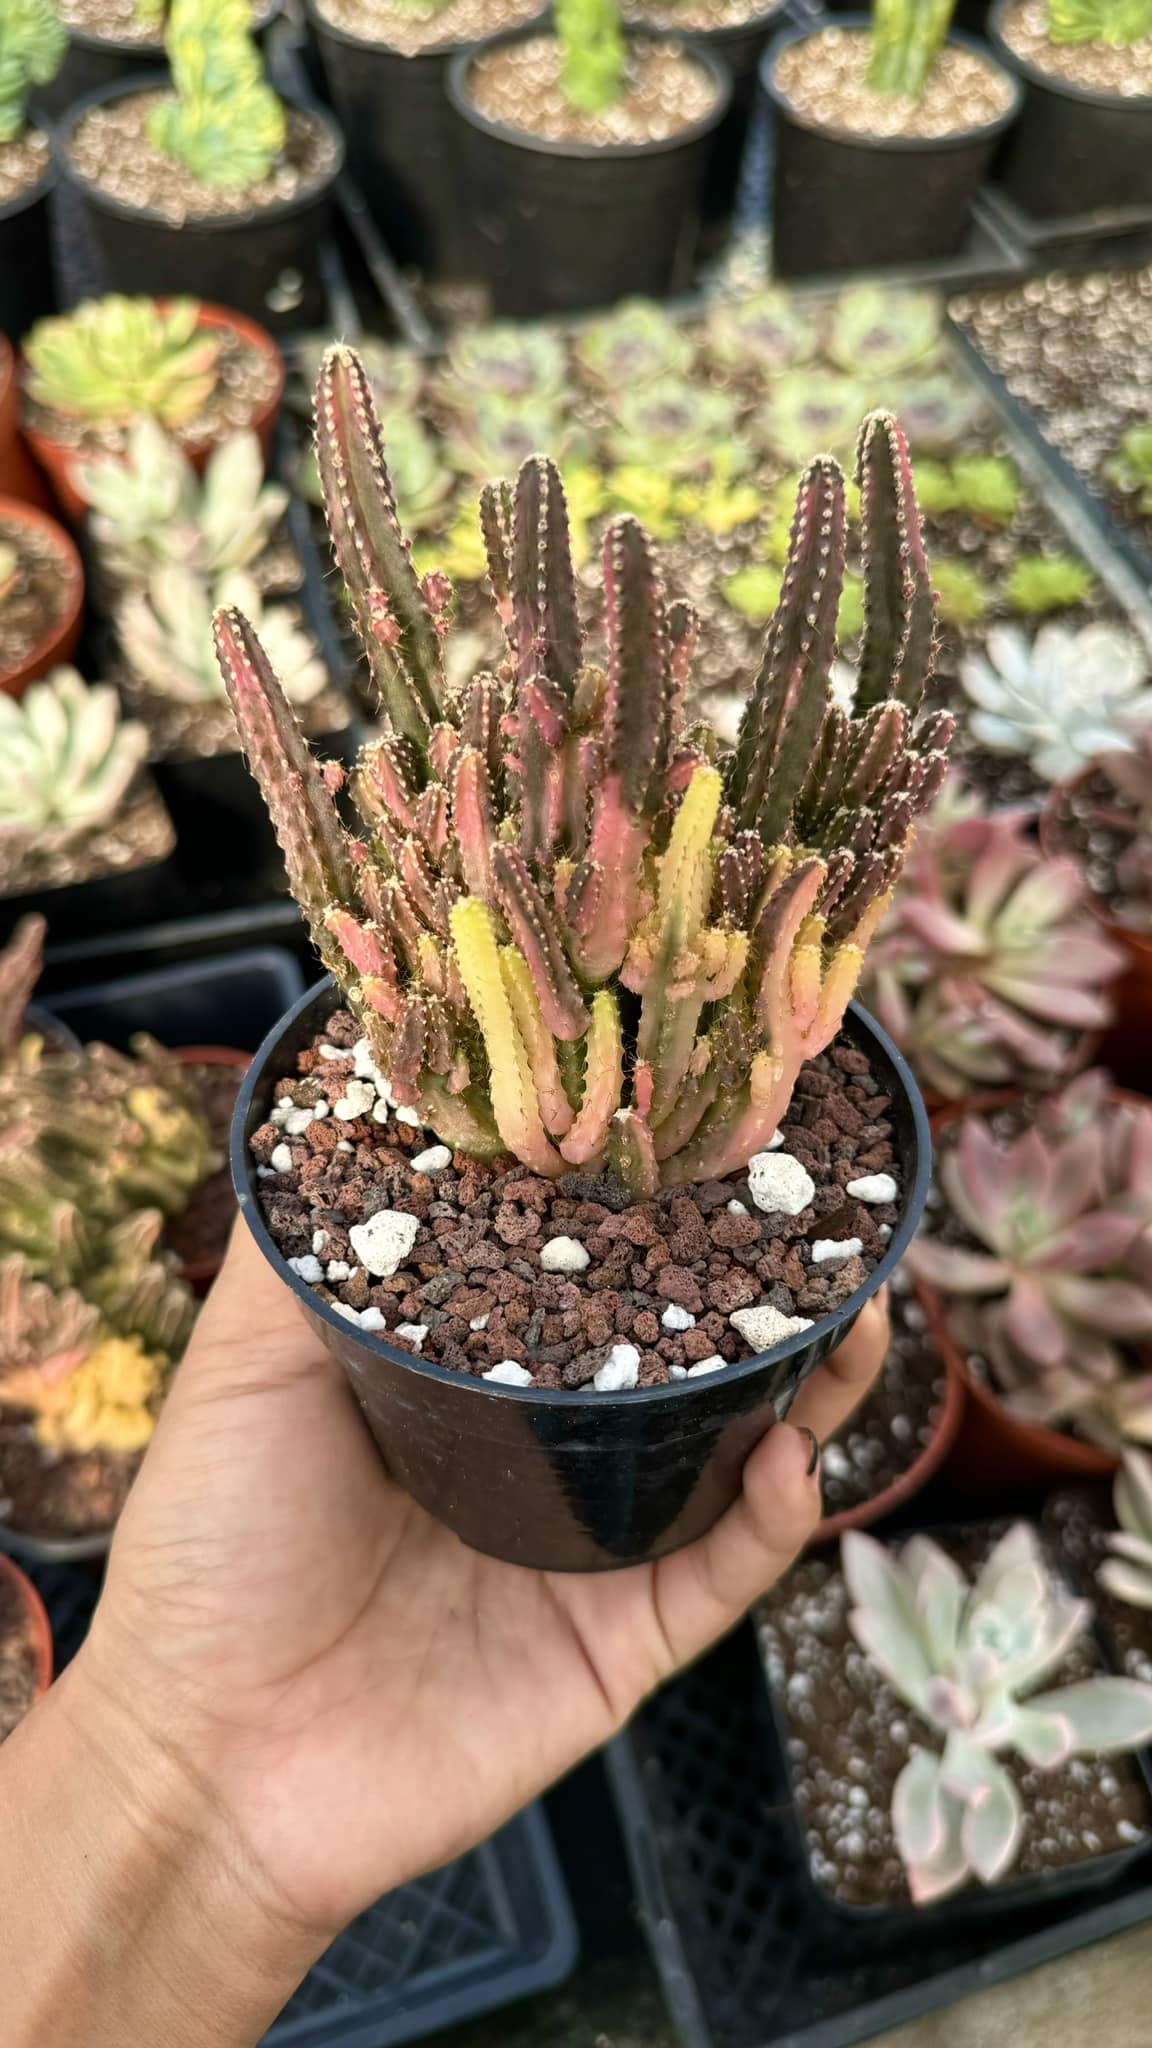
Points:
[(492, 1927), (746, 1956)]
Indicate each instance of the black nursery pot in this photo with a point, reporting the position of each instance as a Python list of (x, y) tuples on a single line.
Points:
[(571, 1481), (845, 202), (27, 283), (93, 62), (565, 226), (740, 47), (263, 263), (1073, 151)]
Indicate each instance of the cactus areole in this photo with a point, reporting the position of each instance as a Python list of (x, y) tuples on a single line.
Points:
[(572, 933)]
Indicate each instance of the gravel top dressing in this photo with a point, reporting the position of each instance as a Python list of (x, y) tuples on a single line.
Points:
[(118, 21), (1121, 68), (497, 1273), (23, 164), (409, 29), (896, 1423), (824, 80), (74, 1494), (1080, 1522), (43, 585), (520, 86), (246, 379), (139, 833), (694, 17), (1089, 821), (17, 1660), (111, 149)]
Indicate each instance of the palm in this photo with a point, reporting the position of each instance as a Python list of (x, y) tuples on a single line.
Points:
[(375, 1696)]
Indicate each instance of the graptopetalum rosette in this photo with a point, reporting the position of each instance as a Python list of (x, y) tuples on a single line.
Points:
[(569, 931)]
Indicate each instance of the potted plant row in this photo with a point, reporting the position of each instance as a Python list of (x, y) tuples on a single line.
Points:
[(31, 47), (110, 41), (1083, 145)]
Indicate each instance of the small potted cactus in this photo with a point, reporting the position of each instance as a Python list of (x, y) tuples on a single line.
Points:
[(110, 41), (208, 182), (958, 1747), (31, 47), (583, 963), (41, 595), (1083, 143), (25, 1646), (1036, 1277), (585, 151), (90, 375), (885, 126)]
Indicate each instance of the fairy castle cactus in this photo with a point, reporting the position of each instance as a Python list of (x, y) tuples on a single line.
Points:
[(570, 934), (594, 53), (907, 37), (225, 124), (32, 46)]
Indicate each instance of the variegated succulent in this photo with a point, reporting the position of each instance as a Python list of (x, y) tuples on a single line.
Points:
[(1128, 1572), (166, 634), (116, 360), (969, 1659), (990, 967), (567, 932), (150, 507), (1059, 700), (67, 758), (636, 343), (510, 362), (764, 332), (675, 428), (873, 331)]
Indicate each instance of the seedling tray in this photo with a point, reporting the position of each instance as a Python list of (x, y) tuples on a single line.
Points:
[(747, 1957)]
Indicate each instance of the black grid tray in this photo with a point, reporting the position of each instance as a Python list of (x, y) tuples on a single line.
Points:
[(747, 1957), (492, 1927)]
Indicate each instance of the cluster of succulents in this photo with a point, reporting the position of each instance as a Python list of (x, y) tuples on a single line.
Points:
[(594, 54), (1130, 467), (225, 123), (32, 46), (907, 38), (67, 759), (569, 933), (969, 1658), (116, 360), (1127, 1573), (1061, 699), (165, 633), (149, 509), (1119, 22)]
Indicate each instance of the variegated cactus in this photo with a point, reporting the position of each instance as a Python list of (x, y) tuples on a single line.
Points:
[(569, 932)]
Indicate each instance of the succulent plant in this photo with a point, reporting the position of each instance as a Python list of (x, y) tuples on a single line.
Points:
[(1058, 700), (650, 496), (32, 46), (150, 507), (398, 375), (424, 482), (1128, 1572), (67, 758), (937, 411), (968, 1660), (875, 330), (721, 504), (20, 963), (1120, 22), (680, 428), (765, 332), (225, 125), (493, 434), (511, 362), (907, 38), (1056, 1288), (634, 344), (989, 968), (1037, 584), (594, 53), (117, 360), (988, 487), (807, 408), (962, 595), (1130, 468), (165, 632), (545, 846)]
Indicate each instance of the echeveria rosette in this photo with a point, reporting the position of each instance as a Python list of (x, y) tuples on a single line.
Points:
[(1056, 1288), (969, 1659), (1059, 700), (989, 968), (1127, 1573)]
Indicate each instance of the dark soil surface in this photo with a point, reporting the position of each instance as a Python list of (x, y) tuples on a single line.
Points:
[(23, 164), (1090, 822), (112, 150), (17, 1659), (850, 1733), (44, 585), (402, 25), (896, 1423), (825, 80), (245, 381), (140, 832), (76, 1494), (200, 1235), (1080, 1521), (473, 1285), (520, 85)]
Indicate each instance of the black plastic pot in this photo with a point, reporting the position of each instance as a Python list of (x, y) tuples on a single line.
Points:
[(263, 264), (740, 47), (93, 62), (558, 1480), (27, 280), (564, 226), (844, 202), (1073, 151)]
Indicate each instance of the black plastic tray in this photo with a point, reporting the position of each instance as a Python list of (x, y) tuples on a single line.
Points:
[(232, 1000), (492, 1927), (746, 1958), (1117, 238)]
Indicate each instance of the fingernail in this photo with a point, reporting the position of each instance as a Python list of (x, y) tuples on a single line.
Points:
[(814, 1453)]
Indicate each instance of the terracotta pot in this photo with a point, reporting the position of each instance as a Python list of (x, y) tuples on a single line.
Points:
[(1124, 1046), (19, 477), (58, 643), (39, 1627), (60, 461), (200, 1273), (929, 1462)]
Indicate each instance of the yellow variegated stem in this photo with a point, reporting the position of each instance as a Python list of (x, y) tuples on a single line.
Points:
[(843, 976), (461, 1121), (688, 1111), (772, 1001), (515, 1103), (686, 869), (538, 1041), (603, 1081), (743, 1124), (805, 975)]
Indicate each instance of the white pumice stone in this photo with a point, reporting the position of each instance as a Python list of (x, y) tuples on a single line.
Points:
[(350, 1315), (384, 1241), (298, 1122), (373, 1318), (364, 1066), (379, 1111), (677, 1372), (836, 1248), (411, 1117), (677, 1318), (281, 1111), (281, 1160), (337, 1269), (265, 1173), (479, 1322), (775, 1142), (564, 1255), (764, 1326), (779, 1184), (873, 1187), (508, 1374), (713, 1364), (345, 1145), (357, 1100), (335, 1052), (412, 1333), (320, 1108), (434, 1160), (319, 1240), (620, 1370), (884, 1231), (737, 1208), (308, 1268)]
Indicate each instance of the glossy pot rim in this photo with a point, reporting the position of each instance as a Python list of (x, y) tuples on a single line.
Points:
[(847, 138), (50, 648), (563, 1399)]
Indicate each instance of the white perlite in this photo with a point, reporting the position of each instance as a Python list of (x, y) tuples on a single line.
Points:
[(319, 1240), (779, 1184), (335, 1052), (345, 1145), (563, 1255), (836, 1248), (412, 1333), (434, 1160), (411, 1117), (281, 1160), (677, 1372), (677, 1318), (764, 1326), (713, 1364), (480, 1322), (379, 1111), (357, 1100), (620, 1370), (508, 1374), (873, 1187), (384, 1242), (737, 1208), (297, 1122), (319, 1108), (884, 1231), (373, 1318), (365, 1069), (308, 1268), (338, 1269)]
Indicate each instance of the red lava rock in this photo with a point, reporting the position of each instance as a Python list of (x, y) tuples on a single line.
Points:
[(469, 1302), (730, 1231), (636, 1226), (735, 1290), (646, 1327), (849, 1060), (549, 1377), (534, 1193), (675, 1283), (653, 1371), (695, 1345), (845, 1116)]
